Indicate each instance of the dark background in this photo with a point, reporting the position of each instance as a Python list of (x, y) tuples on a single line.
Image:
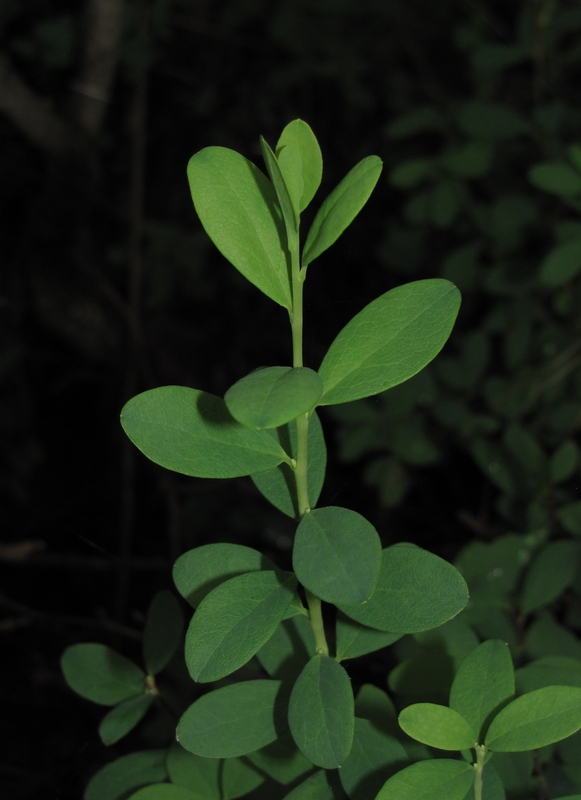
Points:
[(108, 286)]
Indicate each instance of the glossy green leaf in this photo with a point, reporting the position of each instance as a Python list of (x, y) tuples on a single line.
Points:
[(123, 718), (192, 432), (164, 627), (483, 684), (552, 571), (287, 206), (273, 396), (416, 591), (437, 726), (337, 555), (281, 760), (440, 779), (237, 206), (320, 714), (287, 651), (115, 780), (200, 775), (389, 341), (100, 674), (562, 264), (299, 137), (316, 787), (279, 485), (165, 791), (354, 639), (234, 621), (233, 720), (556, 177), (375, 756), (200, 570), (548, 671), (341, 207), (536, 719)]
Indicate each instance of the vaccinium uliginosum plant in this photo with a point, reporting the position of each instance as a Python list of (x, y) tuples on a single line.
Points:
[(299, 723)]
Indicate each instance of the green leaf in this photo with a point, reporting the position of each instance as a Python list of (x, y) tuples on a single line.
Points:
[(289, 215), (233, 720), (238, 208), (100, 674), (129, 772), (489, 121), (291, 171), (410, 173), (569, 516), (200, 570), (299, 137), (239, 778), (564, 461), (281, 760), (472, 160), (337, 555), (440, 779), (536, 719), (320, 714), (483, 684), (545, 637), (123, 718), (234, 621), (389, 341), (552, 571), (416, 591), (315, 787), (354, 639), (165, 791), (548, 671), (273, 396), (375, 756), (562, 264), (287, 651), (556, 177), (199, 775), (192, 432), (278, 485), (341, 207), (373, 704), (164, 627), (437, 726)]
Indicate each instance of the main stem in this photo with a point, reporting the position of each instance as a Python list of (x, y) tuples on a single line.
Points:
[(302, 422), (479, 767)]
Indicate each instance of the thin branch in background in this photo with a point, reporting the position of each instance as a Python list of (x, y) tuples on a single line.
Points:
[(137, 121), (104, 20)]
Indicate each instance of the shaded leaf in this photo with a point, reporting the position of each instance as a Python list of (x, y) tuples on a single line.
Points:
[(440, 779), (354, 639), (282, 760), (100, 674), (374, 757), (562, 264), (289, 214), (556, 177), (132, 771), (552, 571), (164, 627), (123, 718), (287, 651), (192, 432), (165, 791)]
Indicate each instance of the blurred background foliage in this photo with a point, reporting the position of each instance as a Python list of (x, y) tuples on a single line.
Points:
[(108, 286)]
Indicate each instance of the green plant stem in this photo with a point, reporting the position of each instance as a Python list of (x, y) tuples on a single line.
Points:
[(316, 618), (479, 767)]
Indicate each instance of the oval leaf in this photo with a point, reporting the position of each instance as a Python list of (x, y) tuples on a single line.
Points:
[(556, 177), (316, 787), (552, 571), (321, 712), (374, 757), (440, 779), (354, 639), (237, 206), (389, 341), (298, 137), (164, 627), (483, 684), (337, 555), (100, 674), (562, 264), (233, 720), (437, 726), (536, 719), (123, 718), (234, 621), (200, 570), (416, 591), (192, 432), (341, 207), (279, 485), (273, 396), (164, 791), (116, 779)]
